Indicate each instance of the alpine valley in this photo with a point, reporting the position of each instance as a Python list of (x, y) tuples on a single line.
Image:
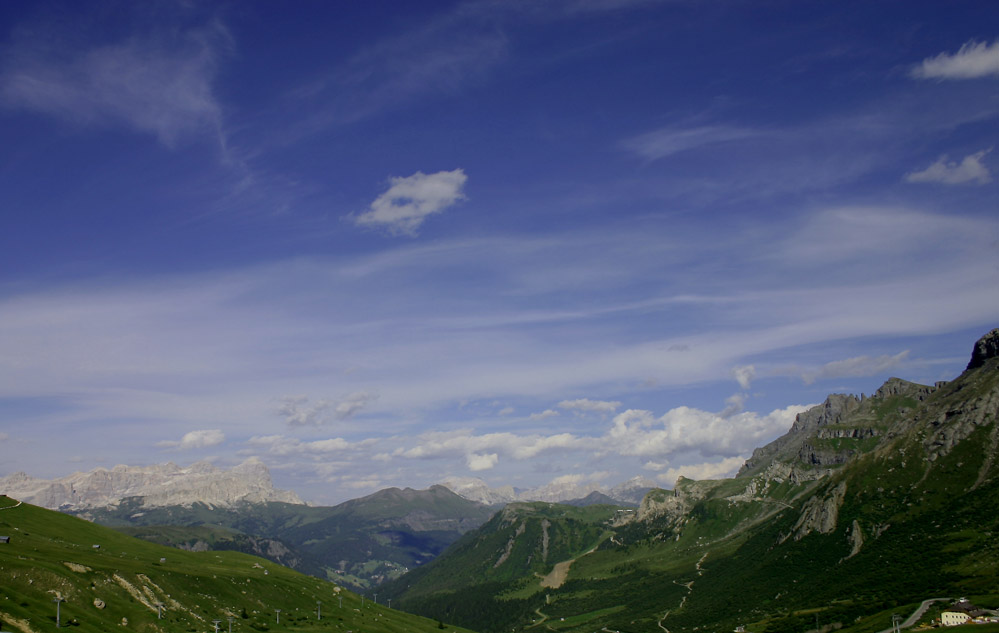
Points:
[(867, 507)]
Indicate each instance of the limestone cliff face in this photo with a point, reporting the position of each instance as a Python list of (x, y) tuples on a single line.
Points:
[(820, 514), (794, 446), (158, 485), (674, 505)]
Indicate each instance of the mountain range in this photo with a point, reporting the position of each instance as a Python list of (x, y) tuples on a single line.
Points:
[(865, 508), (164, 485)]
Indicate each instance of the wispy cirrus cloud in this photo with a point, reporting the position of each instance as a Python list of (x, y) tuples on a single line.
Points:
[(441, 56), (856, 366), (671, 140), (972, 61), (160, 83), (971, 169), (410, 200)]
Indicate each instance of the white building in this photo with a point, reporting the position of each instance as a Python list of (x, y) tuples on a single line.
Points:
[(954, 618)]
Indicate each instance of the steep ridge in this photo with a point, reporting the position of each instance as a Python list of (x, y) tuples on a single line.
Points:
[(867, 503)]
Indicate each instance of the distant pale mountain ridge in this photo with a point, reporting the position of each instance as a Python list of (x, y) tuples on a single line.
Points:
[(158, 485), (629, 493)]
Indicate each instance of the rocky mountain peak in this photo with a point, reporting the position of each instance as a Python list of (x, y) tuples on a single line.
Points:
[(899, 387), (985, 348)]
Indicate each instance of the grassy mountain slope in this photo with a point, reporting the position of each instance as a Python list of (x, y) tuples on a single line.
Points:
[(504, 567), (866, 506), (359, 543), (117, 587)]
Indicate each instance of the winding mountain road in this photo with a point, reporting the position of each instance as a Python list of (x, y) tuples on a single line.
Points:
[(918, 613)]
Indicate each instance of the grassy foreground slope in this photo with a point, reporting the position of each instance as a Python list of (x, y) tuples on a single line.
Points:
[(121, 584)]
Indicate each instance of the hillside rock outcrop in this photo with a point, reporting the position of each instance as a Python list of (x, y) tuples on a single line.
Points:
[(985, 348), (819, 514)]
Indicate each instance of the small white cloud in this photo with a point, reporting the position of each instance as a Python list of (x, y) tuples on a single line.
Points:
[(195, 439), (571, 479), (856, 366), (410, 200), (971, 61), (352, 404), (481, 462), (602, 407), (547, 413), (297, 411), (744, 375), (506, 411), (733, 405), (970, 169)]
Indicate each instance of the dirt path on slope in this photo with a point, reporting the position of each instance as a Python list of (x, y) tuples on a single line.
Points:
[(690, 589)]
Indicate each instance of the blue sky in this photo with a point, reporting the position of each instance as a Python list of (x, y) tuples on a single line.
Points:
[(380, 244)]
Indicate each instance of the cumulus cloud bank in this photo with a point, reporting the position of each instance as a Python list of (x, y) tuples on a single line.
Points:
[(639, 433), (411, 200), (633, 433), (707, 470)]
